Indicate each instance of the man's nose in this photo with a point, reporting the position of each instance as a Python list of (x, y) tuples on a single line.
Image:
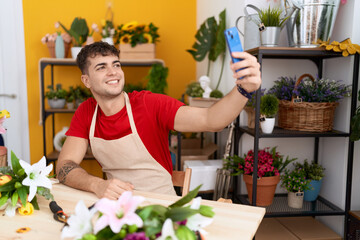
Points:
[(111, 71)]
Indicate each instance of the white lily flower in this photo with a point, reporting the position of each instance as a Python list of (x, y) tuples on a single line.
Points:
[(36, 176), (79, 223), (167, 231), (10, 210), (198, 221)]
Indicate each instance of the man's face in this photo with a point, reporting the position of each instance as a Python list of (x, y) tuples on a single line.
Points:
[(104, 77)]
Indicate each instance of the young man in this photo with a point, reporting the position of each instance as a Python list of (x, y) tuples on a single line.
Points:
[(128, 133)]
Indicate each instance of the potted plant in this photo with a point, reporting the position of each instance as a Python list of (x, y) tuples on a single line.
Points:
[(314, 172), (269, 106), (295, 183), (56, 97), (70, 98), (157, 78), (270, 165), (79, 32), (137, 41), (81, 94), (250, 109), (210, 42), (271, 22), (355, 124)]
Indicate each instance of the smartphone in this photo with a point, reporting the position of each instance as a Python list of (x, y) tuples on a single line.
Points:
[(233, 41)]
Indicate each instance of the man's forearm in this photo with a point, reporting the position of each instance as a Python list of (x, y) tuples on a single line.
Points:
[(226, 110), (72, 175)]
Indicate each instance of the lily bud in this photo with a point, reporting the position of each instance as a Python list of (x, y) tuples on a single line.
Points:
[(4, 179), (184, 232), (18, 185)]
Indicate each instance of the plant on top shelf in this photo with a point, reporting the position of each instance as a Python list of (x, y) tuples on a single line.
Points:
[(157, 78), (355, 124), (78, 30), (210, 42), (271, 17), (134, 33)]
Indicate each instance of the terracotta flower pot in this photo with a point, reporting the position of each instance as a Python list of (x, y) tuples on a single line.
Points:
[(265, 189)]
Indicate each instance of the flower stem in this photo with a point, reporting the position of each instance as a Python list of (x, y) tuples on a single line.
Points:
[(222, 69)]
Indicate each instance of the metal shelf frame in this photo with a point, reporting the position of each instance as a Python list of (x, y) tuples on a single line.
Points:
[(316, 55)]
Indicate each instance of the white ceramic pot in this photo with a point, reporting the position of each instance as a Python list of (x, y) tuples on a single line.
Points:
[(75, 51), (56, 103), (295, 199), (70, 105), (109, 40), (267, 126)]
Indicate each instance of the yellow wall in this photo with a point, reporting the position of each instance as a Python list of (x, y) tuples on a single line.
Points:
[(177, 27)]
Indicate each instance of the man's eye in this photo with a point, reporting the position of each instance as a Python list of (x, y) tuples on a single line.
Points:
[(117, 65), (100, 68)]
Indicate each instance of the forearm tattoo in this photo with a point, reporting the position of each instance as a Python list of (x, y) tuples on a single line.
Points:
[(65, 170)]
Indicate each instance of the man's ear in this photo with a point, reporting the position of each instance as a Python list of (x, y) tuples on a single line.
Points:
[(85, 80)]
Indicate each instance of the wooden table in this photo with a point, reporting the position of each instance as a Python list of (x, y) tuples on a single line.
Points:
[(231, 221)]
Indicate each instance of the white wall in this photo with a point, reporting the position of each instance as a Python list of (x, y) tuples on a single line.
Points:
[(333, 151)]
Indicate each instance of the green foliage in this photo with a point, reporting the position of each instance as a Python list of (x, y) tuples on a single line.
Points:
[(313, 171), (355, 124), (295, 180), (216, 94), (194, 90), (271, 17), (157, 78), (81, 93), (133, 87), (251, 102), (78, 30), (59, 93), (269, 105), (210, 39)]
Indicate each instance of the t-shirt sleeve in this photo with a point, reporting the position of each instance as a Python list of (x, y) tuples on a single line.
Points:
[(81, 120), (164, 107)]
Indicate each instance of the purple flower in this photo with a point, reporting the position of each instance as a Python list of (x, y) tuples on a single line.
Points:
[(136, 236)]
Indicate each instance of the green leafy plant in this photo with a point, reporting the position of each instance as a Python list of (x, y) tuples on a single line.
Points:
[(252, 101), (216, 94), (78, 30), (194, 89), (71, 95), (134, 33), (58, 93), (295, 180), (81, 93), (269, 105), (271, 17), (157, 78), (210, 42), (313, 171), (133, 87), (355, 124)]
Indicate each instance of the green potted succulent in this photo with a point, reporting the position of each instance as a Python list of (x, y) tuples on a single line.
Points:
[(314, 172), (269, 106), (271, 22), (210, 42), (157, 78), (56, 97), (79, 31), (355, 124), (295, 183)]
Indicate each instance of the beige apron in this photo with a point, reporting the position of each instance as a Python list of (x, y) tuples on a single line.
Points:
[(128, 160)]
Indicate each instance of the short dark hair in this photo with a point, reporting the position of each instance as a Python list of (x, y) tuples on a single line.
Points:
[(91, 51)]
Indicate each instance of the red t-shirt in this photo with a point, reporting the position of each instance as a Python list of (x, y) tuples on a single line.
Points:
[(153, 114)]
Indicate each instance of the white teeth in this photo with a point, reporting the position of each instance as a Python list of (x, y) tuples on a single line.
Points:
[(113, 82)]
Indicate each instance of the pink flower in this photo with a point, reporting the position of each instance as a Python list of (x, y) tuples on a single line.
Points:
[(117, 213), (343, 1), (2, 129)]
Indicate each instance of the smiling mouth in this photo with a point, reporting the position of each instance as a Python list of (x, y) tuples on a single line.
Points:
[(112, 82)]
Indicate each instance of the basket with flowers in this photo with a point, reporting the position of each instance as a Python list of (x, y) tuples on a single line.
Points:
[(126, 219), (308, 104), (137, 40), (270, 165)]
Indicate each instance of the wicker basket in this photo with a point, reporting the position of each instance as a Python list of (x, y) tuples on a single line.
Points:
[(306, 116)]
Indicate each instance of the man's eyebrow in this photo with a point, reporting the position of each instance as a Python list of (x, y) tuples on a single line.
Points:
[(116, 61), (100, 64)]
